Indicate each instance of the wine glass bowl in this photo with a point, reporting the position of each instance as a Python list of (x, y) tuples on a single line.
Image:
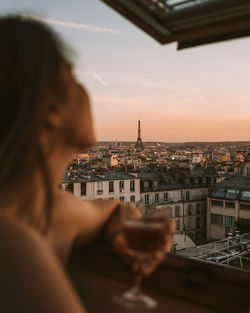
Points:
[(144, 238)]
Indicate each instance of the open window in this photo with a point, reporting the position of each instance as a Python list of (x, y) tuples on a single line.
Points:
[(188, 22)]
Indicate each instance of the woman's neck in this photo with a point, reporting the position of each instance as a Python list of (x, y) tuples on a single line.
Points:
[(57, 164)]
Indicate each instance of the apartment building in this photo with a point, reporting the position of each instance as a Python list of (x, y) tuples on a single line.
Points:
[(183, 197), (186, 202), (229, 205), (108, 185)]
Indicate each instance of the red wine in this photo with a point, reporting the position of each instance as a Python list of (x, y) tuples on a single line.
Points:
[(145, 235)]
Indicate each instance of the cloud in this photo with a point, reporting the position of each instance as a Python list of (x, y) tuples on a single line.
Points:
[(73, 25), (93, 74), (161, 83), (97, 77)]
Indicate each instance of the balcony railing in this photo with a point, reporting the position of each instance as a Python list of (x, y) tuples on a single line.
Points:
[(179, 284)]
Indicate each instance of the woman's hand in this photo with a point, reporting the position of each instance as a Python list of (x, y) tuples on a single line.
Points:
[(147, 266)]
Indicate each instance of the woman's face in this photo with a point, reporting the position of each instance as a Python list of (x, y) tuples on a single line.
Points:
[(77, 127)]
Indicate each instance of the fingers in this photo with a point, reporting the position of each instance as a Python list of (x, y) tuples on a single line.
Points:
[(120, 244), (147, 266), (130, 211), (171, 228)]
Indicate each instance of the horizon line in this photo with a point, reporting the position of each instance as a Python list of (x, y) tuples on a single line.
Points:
[(147, 141)]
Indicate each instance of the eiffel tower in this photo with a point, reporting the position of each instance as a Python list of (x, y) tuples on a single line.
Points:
[(139, 144)]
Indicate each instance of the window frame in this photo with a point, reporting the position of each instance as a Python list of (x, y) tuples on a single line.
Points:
[(83, 189), (111, 183)]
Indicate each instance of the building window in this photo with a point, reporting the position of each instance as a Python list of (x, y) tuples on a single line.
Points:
[(156, 198), (229, 221), (187, 195), (189, 225), (198, 223), (70, 188), (217, 219), (83, 189), (146, 199), (177, 211), (198, 208), (99, 190), (244, 225), (132, 185), (248, 171), (165, 196), (146, 184), (204, 221), (194, 211), (132, 199), (121, 184), (244, 206), (154, 184), (204, 180), (122, 199), (189, 210), (230, 204), (111, 186), (217, 203)]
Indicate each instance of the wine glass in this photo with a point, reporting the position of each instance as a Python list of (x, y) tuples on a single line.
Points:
[(144, 237)]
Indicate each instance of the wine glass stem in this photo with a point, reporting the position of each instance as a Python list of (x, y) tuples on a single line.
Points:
[(137, 285)]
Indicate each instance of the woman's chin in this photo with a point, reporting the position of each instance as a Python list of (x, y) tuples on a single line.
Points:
[(88, 143)]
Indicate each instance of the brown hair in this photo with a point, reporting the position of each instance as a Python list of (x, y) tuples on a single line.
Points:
[(31, 58)]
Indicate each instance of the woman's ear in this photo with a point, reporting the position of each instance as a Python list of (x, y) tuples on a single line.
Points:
[(54, 117)]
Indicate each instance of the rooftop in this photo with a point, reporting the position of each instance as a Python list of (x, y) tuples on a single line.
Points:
[(233, 251), (236, 187), (236, 181), (87, 176)]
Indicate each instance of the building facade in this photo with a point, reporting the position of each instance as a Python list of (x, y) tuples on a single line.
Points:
[(229, 206), (186, 204), (109, 185)]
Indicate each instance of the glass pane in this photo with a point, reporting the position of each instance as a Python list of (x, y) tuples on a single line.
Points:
[(232, 194), (182, 4), (245, 195), (220, 193)]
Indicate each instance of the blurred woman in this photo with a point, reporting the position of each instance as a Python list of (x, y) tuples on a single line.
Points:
[(45, 119)]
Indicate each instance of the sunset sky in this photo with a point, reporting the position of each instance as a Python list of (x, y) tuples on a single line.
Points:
[(199, 94)]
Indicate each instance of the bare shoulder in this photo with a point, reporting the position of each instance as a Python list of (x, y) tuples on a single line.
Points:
[(14, 232), (32, 280)]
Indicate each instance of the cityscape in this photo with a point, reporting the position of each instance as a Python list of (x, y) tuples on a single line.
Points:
[(205, 187), (154, 211)]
